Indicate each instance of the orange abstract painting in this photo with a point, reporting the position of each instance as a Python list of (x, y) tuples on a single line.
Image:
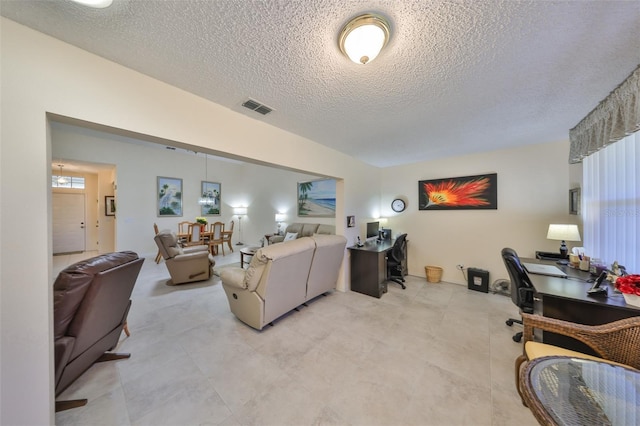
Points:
[(468, 192)]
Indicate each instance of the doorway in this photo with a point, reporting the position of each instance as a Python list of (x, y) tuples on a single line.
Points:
[(69, 223)]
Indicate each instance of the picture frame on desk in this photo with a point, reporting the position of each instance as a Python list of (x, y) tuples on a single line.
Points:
[(574, 201)]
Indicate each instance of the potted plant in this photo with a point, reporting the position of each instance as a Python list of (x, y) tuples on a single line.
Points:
[(202, 221)]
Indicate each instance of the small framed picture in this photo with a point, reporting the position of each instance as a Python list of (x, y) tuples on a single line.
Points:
[(109, 205), (351, 221), (574, 201)]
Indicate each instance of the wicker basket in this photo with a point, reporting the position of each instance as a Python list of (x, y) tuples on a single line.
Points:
[(434, 273)]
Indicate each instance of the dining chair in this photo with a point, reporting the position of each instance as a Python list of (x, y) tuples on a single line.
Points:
[(195, 237), (216, 239), (226, 236), (183, 232), (158, 257)]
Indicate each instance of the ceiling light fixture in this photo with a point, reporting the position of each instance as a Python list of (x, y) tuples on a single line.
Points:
[(96, 4), (62, 180), (363, 38)]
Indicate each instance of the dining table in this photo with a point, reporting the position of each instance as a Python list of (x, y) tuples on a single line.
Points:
[(574, 391)]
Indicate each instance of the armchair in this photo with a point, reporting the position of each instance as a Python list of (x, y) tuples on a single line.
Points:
[(187, 264), (616, 342), (90, 307)]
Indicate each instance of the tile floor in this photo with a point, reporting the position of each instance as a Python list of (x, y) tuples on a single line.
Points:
[(433, 354)]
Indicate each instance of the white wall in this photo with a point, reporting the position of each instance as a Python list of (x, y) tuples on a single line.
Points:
[(533, 187), (264, 190), (41, 75)]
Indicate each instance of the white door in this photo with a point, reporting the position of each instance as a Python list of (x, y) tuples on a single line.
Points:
[(68, 223)]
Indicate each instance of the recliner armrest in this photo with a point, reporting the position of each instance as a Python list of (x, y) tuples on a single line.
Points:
[(234, 277), (187, 257)]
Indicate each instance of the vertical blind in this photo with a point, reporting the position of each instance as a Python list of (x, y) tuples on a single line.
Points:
[(611, 203)]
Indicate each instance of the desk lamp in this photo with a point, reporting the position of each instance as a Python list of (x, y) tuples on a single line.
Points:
[(563, 233)]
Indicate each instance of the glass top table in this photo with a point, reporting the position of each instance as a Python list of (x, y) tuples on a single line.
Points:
[(572, 391)]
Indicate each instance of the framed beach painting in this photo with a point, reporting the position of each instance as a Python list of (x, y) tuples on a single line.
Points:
[(317, 198), (210, 200), (459, 193), (169, 196)]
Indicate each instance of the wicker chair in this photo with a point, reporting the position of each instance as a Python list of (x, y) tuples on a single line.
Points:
[(616, 342)]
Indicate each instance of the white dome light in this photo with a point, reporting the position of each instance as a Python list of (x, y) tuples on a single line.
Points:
[(363, 38), (97, 4)]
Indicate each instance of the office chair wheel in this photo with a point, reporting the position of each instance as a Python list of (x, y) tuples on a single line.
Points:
[(404, 287), (517, 337), (509, 322)]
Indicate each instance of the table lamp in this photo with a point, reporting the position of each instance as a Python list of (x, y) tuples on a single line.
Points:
[(279, 219), (563, 233)]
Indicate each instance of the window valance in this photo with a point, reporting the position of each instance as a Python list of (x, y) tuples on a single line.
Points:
[(617, 116)]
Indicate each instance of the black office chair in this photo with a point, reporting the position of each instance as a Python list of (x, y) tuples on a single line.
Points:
[(395, 256), (521, 287)]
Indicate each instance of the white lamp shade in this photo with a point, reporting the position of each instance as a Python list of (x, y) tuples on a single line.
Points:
[(240, 211), (563, 232), (363, 38), (280, 217)]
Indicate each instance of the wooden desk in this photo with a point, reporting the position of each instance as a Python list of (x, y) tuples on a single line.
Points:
[(369, 268), (567, 299)]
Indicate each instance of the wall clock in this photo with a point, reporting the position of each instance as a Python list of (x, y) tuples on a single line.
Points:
[(398, 205)]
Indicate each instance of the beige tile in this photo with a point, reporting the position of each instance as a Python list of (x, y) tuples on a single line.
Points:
[(433, 354)]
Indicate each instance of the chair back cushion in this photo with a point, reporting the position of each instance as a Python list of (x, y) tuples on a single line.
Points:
[(325, 266), (167, 243), (73, 283), (326, 229), (519, 279)]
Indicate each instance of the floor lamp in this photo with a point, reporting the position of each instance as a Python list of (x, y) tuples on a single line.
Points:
[(240, 211)]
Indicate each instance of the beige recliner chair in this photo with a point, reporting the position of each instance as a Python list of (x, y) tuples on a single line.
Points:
[(274, 283), (187, 264)]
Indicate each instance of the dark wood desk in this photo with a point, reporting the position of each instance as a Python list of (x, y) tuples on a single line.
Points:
[(567, 299), (369, 268)]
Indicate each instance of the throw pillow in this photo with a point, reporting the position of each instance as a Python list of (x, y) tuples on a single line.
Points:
[(290, 236)]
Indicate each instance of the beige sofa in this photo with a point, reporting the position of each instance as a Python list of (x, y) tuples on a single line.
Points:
[(282, 277), (304, 230), (186, 264)]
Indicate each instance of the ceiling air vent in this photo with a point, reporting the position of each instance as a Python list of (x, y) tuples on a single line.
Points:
[(257, 107)]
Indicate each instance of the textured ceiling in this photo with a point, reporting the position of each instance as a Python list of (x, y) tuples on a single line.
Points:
[(456, 77)]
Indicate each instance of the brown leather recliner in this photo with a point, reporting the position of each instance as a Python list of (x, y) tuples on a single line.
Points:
[(91, 300), (186, 264)]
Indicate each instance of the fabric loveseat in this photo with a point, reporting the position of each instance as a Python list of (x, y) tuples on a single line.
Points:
[(282, 277), (186, 264), (304, 230)]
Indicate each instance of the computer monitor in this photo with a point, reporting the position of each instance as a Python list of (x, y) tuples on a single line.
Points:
[(372, 230)]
